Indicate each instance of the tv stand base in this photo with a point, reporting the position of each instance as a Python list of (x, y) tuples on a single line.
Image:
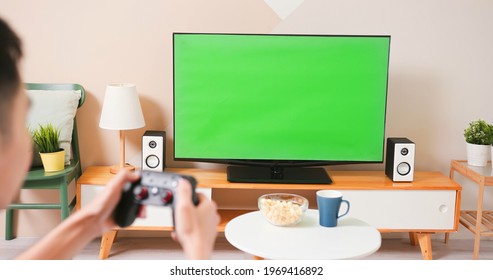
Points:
[(278, 175)]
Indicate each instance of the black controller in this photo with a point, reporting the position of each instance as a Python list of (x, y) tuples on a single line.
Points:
[(153, 188)]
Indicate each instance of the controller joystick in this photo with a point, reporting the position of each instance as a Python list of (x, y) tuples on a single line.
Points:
[(153, 188)]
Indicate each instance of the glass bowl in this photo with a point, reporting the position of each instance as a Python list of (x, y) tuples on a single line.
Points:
[(282, 209)]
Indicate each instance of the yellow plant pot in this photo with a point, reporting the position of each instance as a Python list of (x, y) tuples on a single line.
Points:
[(53, 161)]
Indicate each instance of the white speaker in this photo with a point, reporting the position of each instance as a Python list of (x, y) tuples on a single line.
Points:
[(154, 150), (399, 165)]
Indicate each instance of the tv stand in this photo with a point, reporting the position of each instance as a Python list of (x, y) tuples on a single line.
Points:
[(278, 175), (430, 204)]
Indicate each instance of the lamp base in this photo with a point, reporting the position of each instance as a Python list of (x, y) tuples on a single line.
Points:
[(116, 168)]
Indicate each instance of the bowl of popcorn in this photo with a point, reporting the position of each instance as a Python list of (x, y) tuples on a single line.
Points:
[(282, 209)]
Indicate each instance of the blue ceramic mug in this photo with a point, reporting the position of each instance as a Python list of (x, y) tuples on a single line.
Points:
[(329, 203)]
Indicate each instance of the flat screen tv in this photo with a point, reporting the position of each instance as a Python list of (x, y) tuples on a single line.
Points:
[(278, 108)]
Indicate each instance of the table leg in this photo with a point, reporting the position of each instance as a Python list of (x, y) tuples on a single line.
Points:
[(413, 238), (425, 245), (479, 218), (451, 176), (106, 243)]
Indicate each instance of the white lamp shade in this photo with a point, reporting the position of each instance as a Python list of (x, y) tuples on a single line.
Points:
[(121, 108)]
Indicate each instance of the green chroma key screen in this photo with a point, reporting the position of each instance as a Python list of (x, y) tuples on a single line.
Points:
[(280, 97)]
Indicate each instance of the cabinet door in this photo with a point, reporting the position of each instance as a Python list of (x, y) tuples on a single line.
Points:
[(155, 216), (403, 209)]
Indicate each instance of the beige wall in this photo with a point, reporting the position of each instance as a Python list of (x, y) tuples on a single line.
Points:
[(440, 71)]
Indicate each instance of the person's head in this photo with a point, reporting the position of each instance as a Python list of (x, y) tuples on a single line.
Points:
[(15, 142)]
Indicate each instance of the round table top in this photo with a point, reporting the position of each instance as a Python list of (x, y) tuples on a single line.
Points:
[(351, 239)]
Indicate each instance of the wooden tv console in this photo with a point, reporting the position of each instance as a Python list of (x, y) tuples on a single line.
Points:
[(430, 204)]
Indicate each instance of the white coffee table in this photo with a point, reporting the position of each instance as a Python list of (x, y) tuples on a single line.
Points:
[(351, 239)]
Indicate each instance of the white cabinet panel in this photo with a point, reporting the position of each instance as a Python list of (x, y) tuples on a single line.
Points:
[(155, 216), (88, 193), (403, 209)]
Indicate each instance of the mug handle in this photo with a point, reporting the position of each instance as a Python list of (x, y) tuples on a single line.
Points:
[(347, 202)]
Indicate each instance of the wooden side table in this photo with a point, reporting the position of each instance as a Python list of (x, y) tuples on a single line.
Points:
[(479, 222)]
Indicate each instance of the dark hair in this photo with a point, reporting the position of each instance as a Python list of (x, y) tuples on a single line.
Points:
[(10, 80)]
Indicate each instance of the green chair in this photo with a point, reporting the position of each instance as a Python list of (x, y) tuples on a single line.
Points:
[(38, 179)]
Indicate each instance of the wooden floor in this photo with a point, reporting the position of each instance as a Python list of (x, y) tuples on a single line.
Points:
[(153, 248)]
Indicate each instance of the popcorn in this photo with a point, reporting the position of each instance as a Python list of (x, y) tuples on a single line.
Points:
[(281, 212)]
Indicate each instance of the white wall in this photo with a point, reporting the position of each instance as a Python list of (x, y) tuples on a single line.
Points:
[(440, 66)]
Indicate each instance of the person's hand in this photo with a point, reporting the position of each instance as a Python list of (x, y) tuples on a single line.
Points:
[(105, 203), (75, 232), (195, 226)]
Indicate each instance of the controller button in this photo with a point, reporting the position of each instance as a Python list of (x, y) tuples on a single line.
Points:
[(141, 193), (168, 197), (154, 190), (141, 211)]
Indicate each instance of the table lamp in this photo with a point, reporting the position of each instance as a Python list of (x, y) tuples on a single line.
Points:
[(121, 111)]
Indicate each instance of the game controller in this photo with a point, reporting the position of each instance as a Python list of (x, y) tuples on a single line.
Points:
[(153, 188)]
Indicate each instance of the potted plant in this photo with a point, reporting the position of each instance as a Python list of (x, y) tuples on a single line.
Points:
[(46, 138), (479, 138)]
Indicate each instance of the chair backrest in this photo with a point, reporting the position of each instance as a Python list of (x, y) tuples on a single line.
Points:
[(47, 86)]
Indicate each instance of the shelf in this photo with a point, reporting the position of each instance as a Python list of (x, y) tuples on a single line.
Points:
[(468, 219), (478, 174), (226, 216), (483, 177)]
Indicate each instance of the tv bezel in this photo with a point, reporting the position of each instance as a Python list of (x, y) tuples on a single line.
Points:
[(280, 163)]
